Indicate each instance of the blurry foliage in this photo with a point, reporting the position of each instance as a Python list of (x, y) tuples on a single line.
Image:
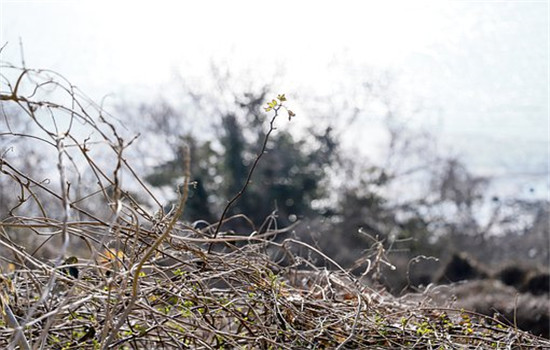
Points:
[(168, 174), (335, 194), (289, 178), (417, 200)]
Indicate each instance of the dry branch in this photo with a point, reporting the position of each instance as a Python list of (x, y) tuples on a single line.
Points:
[(146, 281)]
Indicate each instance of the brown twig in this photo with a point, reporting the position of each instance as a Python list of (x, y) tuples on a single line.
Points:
[(248, 177)]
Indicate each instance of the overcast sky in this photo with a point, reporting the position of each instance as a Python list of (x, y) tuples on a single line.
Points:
[(478, 70)]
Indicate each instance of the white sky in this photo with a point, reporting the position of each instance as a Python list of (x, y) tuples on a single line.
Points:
[(477, 69), (137, 42)]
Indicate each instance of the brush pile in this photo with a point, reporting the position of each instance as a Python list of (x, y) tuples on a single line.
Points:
[(86, 265)]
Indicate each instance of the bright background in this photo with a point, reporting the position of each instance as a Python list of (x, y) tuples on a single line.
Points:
[(473, 72)]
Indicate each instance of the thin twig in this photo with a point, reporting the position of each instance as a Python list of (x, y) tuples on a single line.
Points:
[(249, 176)]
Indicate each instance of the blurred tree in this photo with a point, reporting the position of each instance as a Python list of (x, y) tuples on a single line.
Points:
[(169, 173), (288, 179), (234, 168), (416, 199), (293, 175)]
